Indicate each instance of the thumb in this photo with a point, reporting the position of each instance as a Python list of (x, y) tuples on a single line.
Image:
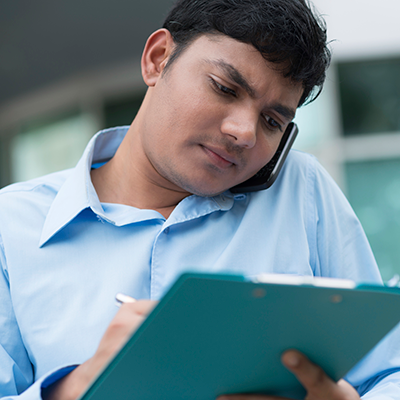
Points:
[(317, 384)]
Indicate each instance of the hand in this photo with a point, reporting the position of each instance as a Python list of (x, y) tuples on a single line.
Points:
[(126, 321), (317, 384)]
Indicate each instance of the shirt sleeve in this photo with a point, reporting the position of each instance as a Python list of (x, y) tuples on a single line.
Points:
[(16, 372), (377, 376), (36, 391), (343, 251), (384, 388), (341, 246)]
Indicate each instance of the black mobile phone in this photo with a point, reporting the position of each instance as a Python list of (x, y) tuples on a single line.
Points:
[(267, 175)]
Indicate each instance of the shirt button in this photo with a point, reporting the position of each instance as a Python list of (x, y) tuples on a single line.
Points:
[(240, 197), (166, 230)]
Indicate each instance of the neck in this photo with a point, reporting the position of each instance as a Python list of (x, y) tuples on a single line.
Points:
[(130, 179)]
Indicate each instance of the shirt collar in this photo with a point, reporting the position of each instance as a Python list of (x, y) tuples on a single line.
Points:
[(77, 192)]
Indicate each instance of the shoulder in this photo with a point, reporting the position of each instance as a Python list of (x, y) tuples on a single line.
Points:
[(23, 209), (300, 157), (305, 168), (303, 187), (40, 191), (293, 190), (300, 163), (298, 173), (54, 180)]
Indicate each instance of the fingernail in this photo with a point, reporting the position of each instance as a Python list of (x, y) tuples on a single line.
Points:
[(292, 360)]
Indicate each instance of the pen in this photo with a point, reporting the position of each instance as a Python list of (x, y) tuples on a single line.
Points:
[(121, 298)]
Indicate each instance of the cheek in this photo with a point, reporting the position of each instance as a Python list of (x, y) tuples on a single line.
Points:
[(193, 102), (266, 149)]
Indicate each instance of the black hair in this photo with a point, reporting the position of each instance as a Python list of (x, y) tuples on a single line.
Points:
[(288, 33)]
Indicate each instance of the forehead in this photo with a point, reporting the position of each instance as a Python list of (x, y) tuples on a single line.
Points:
[(215, 44), (229, 56)]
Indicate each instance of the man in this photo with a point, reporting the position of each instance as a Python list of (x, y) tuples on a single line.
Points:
[(224, 78)]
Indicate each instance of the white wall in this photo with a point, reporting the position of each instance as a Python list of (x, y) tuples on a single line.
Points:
[(357, 29), (362, 27)]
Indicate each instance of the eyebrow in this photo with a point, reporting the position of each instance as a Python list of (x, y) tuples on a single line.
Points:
[(239, 79), (286, 112), (235, 75)]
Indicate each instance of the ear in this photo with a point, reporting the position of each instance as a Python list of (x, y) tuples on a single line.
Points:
[(155, 55)]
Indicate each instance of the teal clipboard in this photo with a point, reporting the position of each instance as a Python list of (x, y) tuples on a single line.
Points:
[(219, 334)]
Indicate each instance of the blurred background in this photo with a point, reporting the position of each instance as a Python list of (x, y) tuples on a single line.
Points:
[(70, 68)]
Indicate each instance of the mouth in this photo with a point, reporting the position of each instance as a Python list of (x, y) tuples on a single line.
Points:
[(219, 157)]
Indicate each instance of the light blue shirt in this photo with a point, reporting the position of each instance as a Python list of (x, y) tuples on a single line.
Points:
[(64, 256)]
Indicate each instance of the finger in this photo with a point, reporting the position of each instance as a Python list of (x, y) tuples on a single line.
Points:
[(139, 307), (131, 315), (310, 375), (128, 318), (346, 387)]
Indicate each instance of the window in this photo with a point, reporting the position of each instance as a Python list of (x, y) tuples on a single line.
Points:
[(374, 192), (369, 96), (49, 145), (122, 111)]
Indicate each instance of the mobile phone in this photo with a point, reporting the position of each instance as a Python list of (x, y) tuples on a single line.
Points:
[(267, 175)]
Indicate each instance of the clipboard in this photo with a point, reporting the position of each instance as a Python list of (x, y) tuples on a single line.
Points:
[(219, 334)]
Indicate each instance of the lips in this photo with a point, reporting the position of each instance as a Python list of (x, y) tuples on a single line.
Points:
[(220, 157)]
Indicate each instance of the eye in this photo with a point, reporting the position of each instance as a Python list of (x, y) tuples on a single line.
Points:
[(272, 124), (223, 89)]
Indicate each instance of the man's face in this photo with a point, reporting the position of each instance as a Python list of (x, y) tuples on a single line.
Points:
[(216, 116)]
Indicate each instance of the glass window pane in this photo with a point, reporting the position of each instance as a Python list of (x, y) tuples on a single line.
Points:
[(122, 112), (44, 147), (317, 120), (374, 192), (370, 96)]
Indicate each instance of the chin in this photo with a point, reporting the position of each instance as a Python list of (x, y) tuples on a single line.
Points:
[(205, 187), (206, 193), (203, 190)]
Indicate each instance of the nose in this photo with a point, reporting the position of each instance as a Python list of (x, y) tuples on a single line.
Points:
[(241, 126)]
